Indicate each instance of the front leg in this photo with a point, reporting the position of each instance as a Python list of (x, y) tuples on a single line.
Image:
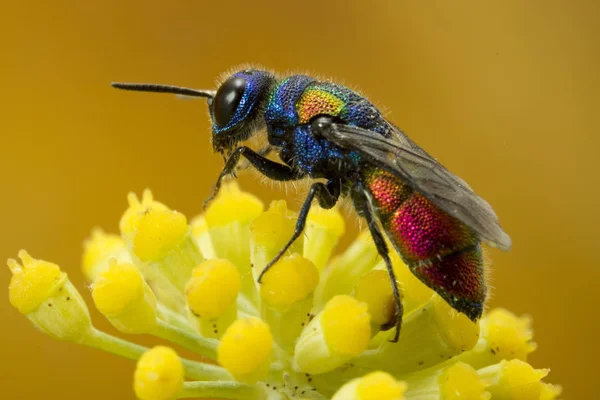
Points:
[(243, 164), (269, 168), (327, 195)]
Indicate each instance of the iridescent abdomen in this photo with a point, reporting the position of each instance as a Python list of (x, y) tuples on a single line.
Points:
[(439, 249)]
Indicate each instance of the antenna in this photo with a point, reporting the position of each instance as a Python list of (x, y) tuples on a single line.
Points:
[(149, 87)]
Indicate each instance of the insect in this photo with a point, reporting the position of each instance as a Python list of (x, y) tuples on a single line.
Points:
[(320, 129)]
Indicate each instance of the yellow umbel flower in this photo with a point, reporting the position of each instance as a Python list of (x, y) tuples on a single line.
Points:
[(122, 295), (287, 297), (317, 327), (162, 245), (158, 375), (98, 250), (337, 334), (515, 379), (289, 281), (43, 293), (245, 349), (374, 289), (206, 295), (376, 385), (211, 295)]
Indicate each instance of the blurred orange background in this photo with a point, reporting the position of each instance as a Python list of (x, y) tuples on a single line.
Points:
[(505, 94)]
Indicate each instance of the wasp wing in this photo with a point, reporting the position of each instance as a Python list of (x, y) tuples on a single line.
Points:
[(402, 157)]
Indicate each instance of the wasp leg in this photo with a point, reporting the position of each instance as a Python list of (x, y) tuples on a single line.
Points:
[(363, 203), (269, 168), (327, 194), (243, 164)]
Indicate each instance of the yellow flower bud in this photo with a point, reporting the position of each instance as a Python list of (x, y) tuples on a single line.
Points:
[(163, 245), (213, 288), (449, 380), (456, 329), (245, 349), (33, 282), (343, 315), (158, 375), (438, 331), (44, 294), (337, 334), (136, 210), (269, 233), (376, 385), (508, 335), (274, 227), (151, 227), (98, 249), (380, 386), (550, 391), (122, 295), (158, 232), (514, 379), (503, 336), (375, 289), (290, 280), (460, 381), (211, 296), (286, 291), (321, 235), (233, 205), (228, 218)]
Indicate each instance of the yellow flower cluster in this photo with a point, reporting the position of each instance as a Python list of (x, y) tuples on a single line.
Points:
[(315, 328)]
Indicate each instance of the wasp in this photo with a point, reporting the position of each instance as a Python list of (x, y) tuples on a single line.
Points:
[(326, 131)]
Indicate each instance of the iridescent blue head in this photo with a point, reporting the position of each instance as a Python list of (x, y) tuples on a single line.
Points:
[(236, 107)]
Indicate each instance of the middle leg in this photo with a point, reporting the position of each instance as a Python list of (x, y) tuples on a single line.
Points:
[(327, 194)]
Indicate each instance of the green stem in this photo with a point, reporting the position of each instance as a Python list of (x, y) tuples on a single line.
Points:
[(171, 317), (112, 344), (246, 306), (203, 371), (196, 343), (224, 390)]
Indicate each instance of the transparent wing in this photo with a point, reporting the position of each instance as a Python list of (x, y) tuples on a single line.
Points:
[(401, 156)]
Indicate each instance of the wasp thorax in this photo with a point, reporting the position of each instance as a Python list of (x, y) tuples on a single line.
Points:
[(227, 99)]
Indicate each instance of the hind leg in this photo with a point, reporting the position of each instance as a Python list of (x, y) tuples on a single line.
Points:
[(361, 199)]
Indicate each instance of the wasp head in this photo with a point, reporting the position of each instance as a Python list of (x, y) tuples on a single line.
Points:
[(236, 109)]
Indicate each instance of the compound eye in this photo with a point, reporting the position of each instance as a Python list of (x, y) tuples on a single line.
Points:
[(227, 99)]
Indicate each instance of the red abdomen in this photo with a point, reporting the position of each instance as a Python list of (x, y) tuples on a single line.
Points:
[(440, 250)]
